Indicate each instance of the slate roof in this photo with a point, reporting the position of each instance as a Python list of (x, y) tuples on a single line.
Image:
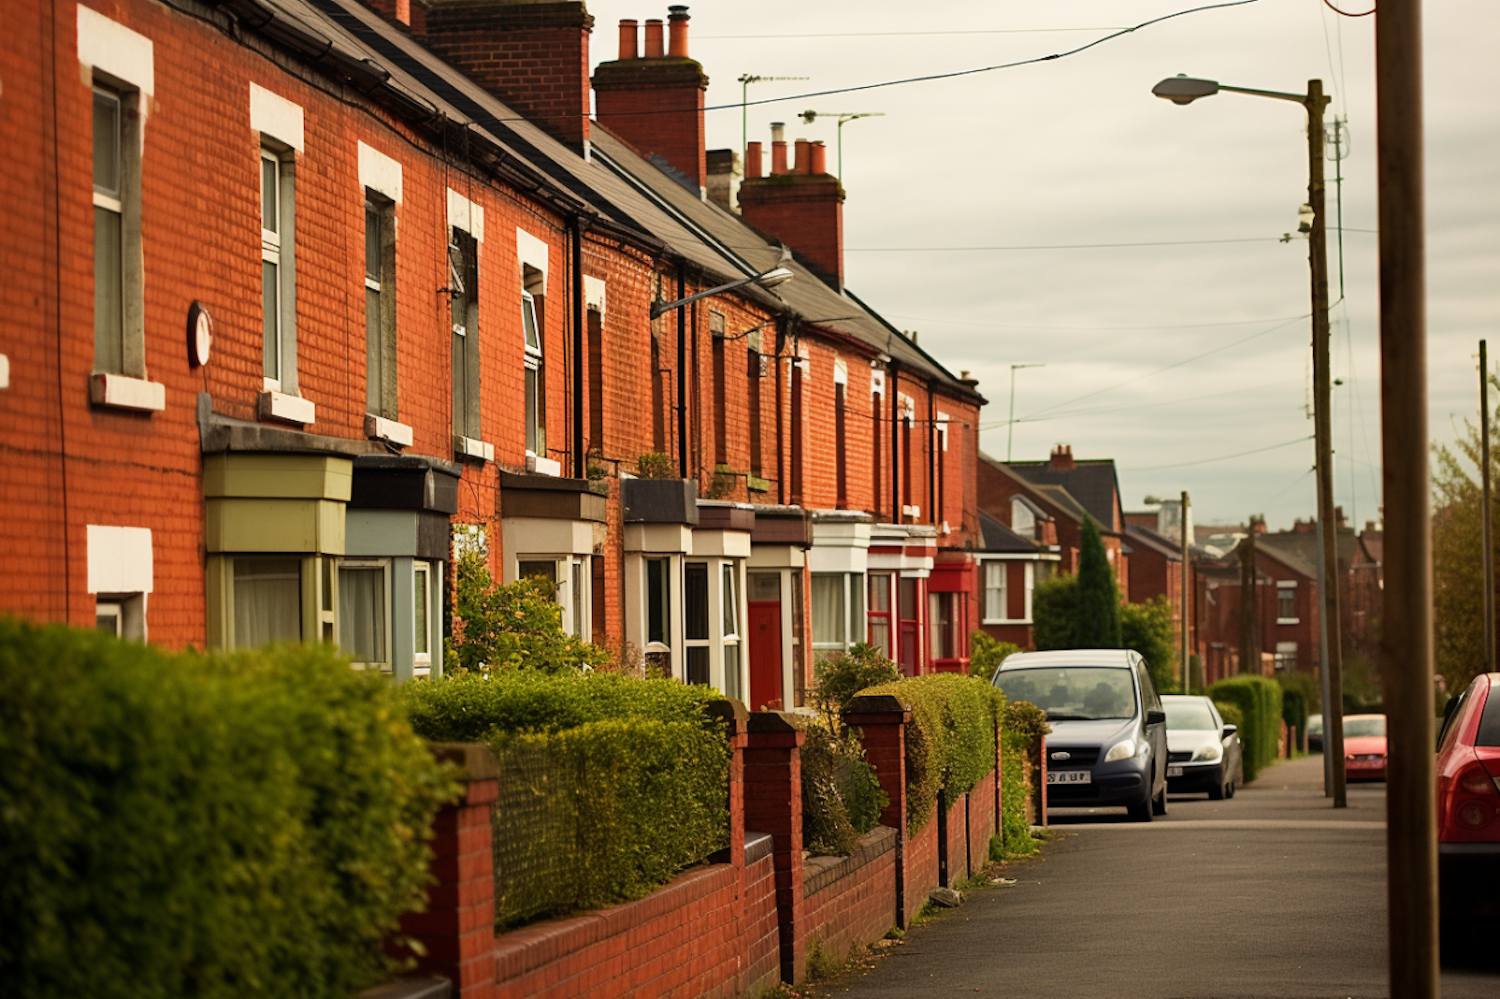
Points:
[(1289, 553), (1001, 539), (617, 185), (1144, 537), (1092, 483), (1304, 544)]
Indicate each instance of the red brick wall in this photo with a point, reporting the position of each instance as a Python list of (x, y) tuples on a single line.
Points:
[(920, 869), (853, 899), (981, 820)]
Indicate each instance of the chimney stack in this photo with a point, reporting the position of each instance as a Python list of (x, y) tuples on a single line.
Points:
[(1062, 458), (531, 54), (799, 204), (655, 101), (724, 178), (752, 160)]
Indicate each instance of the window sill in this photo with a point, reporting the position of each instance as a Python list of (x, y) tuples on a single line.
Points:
[(4, 372), (124, 392), (378, 428), (469, 449), (1001, 621), (1288, 620), (273, 405), (543, 466), (908, 510)]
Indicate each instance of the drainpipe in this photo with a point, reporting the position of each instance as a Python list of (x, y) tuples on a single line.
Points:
[(580, 460), (893, 372), (682, 438)]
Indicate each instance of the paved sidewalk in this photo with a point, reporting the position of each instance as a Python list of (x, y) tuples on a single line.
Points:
[(1272, 894)]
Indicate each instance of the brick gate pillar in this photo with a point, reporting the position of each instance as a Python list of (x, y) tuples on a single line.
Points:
[(773, 804), (882, 721)]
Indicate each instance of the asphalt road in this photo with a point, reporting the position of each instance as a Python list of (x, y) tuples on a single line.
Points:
[(1271, 894)]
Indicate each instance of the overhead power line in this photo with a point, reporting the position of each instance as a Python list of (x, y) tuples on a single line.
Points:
[(927, 78), (1226, 457), (1069, 246), (914, 34), (1088, 329)]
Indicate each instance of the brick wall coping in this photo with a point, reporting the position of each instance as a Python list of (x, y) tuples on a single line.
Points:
[(477, 761), (758, 846), (821, 872), (873, 704), (411, 988), (522, 951)]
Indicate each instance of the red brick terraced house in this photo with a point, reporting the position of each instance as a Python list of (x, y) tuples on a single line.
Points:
[(309, 296)]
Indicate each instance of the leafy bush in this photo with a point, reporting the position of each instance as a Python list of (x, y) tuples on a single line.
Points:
[(1054, 608), (656, 465), (1015, 790), (604, 812), (609, 784), (840, 677), (950, 743), (841, 796), (1148, 629), (986, 654), (1026, 719), (1231, 714), (214, 826), (1259, 701), (516, 626)]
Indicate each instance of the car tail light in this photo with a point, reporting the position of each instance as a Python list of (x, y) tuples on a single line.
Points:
[(1471, 805)]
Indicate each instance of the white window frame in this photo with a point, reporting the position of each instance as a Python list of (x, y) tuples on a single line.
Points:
[(110, 609), (1287, 589), (990, 569), (276, 249), (935, 600), (572, 589), (422, 575), (1028, 581), (365, 564), (535, 368), (112, 200), (1285, 657), (853, 583)]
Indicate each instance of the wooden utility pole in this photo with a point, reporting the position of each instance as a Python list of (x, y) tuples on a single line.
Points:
[(1249, 607), (1406, 649), (1486, 509), (1186, 577)]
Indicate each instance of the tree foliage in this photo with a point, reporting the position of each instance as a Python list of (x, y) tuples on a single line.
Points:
[(986, 654), (1147, 628), (1054, 608), (516, 626), (1097, 625)]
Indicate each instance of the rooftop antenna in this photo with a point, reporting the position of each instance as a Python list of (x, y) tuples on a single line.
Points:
[(843, 117), (744, 81)]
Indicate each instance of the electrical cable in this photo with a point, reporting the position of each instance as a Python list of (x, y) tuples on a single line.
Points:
[(927, 78), (1089, 329), (1068, 414), (914, 34), (1345, 13), (1226, 457)]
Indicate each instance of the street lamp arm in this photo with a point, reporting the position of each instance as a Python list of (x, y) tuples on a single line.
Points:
[(1278, 94), (766, 279)]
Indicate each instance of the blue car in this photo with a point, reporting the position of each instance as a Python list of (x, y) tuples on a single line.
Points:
[(1109, 732)]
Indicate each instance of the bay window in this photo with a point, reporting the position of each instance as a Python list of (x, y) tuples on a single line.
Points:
[(838, 611)]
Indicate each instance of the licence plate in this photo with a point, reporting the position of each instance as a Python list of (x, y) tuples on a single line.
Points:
[(1174, 771), (1070, 776)]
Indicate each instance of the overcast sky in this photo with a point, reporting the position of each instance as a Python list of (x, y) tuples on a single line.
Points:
[(1155, 356)]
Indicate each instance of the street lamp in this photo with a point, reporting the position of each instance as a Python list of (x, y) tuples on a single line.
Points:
[(1010, 428), (844, 118), (769, 278), (1185, 90)]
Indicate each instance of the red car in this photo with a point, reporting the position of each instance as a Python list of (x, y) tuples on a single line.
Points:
[(1364, 747), (1468, 797)]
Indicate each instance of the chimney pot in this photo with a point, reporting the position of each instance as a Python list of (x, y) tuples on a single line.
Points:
[(804, 158), (753, 160), (778, 149), (819, 158), (778, 131), (1062, 457), (654, 48), (630, 33), (678, 18)]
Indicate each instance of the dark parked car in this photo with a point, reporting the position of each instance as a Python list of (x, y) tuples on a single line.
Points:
[(1314, 733), (1203, 753), (1109, 735), (1468, 796)]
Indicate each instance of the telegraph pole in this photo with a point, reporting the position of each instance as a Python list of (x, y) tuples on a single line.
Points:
[(1486, 511), (1406, 649), (1187, 578)]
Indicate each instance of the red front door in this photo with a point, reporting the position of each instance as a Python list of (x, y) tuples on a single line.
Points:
[(765, 641)]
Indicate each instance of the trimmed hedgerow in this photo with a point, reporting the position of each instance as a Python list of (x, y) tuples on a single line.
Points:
[(841, 796), (1259, 701), (609, 784), (950, 743), (1023, 727), (214, 826)]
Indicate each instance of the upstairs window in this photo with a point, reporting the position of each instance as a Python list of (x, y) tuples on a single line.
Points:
[(380, 306), (278, 269), (463, 285), (110, 150), (536, 369)]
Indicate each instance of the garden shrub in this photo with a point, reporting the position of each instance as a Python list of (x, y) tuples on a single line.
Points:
[(1231, 714), (1294, 713), (604, 812), (986, 654), (841, 796), (1259, 701), (1023, 725), (515, 626), (609, 784), (215, 826), (950, 743), (840, 677), (1148, 628)]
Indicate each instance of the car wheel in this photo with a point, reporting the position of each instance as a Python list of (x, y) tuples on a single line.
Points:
[(1230, 787), (1159, 804), (1221, 790)]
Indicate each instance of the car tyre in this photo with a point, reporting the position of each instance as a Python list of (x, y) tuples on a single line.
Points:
[(1220, 790), (1159, 804), (1143, 811)]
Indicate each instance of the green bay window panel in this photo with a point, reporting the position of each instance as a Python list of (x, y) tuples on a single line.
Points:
[(109, 252)]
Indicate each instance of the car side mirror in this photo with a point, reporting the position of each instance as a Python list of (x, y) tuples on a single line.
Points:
[(1230, 730), (1156, 716)]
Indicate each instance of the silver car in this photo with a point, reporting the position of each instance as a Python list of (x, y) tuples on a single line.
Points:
[(1203, 753)]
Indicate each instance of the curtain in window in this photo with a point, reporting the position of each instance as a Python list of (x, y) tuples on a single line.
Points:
[(994, 591), (267, 601), (828, 609), (362, 614)]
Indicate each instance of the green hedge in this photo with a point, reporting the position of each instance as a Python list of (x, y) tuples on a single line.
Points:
[(213, 826), (841, 795), (1259, 701), (950, 743), (609, 785), (1294, 713), (1024, 725)]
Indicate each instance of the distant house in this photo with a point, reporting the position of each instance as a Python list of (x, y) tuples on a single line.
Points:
[(1011, 564)]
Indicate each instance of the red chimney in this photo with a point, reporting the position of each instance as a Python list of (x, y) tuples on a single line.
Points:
[(1062, 458), (655, 103), (630, 33), (800, 204), (531, 54), (752, 159)]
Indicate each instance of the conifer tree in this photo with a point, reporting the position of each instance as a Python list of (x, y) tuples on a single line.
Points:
[(1098, 623)]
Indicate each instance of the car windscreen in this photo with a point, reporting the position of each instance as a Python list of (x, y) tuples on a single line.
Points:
[(1189, 716), (1358, 727), (1072, 693)]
